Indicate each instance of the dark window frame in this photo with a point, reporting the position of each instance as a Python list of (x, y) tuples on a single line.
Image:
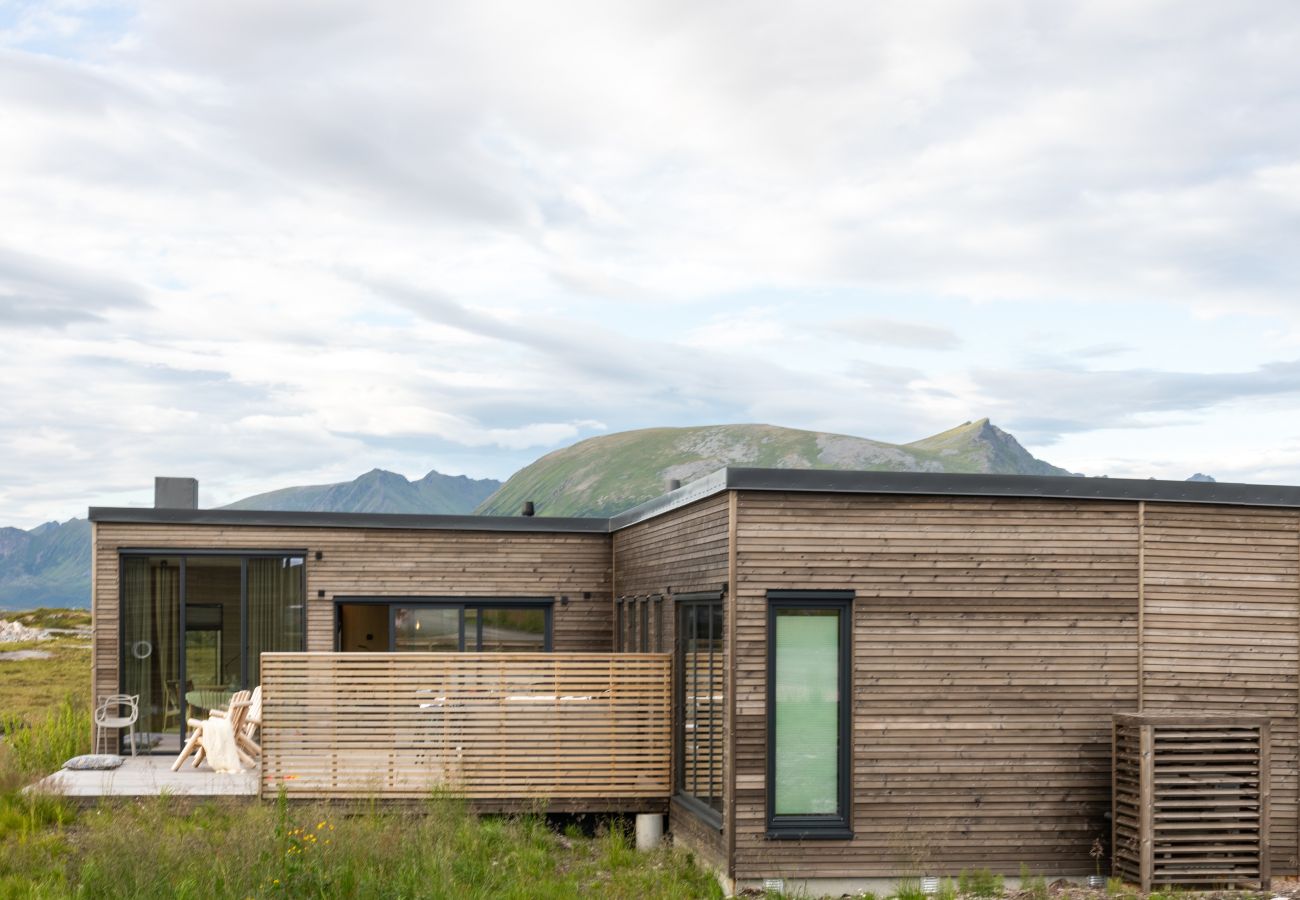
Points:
[(547, 604), (181, 554), (658, 601), (683, 605), (838, 826)]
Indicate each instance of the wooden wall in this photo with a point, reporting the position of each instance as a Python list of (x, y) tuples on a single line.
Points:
[(384, 562), (681, 552), (993, 640), (1220, 630), (684, 551)]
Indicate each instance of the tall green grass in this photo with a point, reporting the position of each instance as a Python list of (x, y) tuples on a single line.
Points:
[(165, 848), (43, 746), (229, 849)]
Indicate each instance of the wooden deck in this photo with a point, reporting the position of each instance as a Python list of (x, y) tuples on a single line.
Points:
[(151, 776)]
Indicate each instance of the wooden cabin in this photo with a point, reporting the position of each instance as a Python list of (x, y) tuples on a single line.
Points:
[(872, 674)]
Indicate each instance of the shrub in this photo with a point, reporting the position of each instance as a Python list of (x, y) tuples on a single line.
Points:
[(1034, 885), (979, 883), (910, 889)]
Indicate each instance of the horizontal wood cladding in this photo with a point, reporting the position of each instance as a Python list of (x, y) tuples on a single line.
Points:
[(384, 562), (1221, 621), (993, 639), (697, 836), (681, 552), (588, 730)]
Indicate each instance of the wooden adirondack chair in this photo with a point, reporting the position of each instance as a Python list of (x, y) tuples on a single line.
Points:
[(239, 704), (246, 732)]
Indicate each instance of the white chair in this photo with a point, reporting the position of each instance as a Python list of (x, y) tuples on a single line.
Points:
[(108, 715)]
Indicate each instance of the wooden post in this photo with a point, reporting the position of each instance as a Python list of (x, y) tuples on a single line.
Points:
[(1265, 794), (1114, 792), (1142, 605), (730, 620), (1146, 804)]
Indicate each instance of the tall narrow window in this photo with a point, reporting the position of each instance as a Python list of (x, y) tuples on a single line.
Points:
[(700, 699), (808, 708)]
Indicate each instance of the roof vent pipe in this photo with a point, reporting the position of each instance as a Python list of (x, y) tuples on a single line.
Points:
[(674, 483), (528, 507)]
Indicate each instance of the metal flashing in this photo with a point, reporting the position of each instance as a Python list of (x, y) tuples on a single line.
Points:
[(698, 489), (253, 517), (1052, 486)]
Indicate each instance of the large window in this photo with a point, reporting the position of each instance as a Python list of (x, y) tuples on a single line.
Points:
[(808, 708), (700, 701), (429, 625), (194, 626)]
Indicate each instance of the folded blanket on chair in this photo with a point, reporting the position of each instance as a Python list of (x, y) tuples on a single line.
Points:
[(218, 740)]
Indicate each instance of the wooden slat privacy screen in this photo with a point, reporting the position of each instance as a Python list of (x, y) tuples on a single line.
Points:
[(489, 727), (1191, 800)]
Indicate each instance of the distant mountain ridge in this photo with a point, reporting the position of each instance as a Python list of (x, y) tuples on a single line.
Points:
[(50, 564), (604, 475), (46, 566), (380, 491)]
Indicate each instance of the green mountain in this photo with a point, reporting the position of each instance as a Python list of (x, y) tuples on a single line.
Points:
[(606, 474), (382, 492), (46, 566), (50, 565)]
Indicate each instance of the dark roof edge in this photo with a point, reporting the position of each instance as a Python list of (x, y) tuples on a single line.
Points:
[(1053, 486), (149, 515), (826, 481), (707, 486), (832, 481)]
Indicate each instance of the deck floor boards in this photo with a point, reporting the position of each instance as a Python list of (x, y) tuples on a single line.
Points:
[(151, 776)]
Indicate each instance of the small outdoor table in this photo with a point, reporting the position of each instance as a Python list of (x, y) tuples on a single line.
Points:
[(209, 699)]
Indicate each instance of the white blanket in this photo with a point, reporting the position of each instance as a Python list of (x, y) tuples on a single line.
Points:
[(218, 740)]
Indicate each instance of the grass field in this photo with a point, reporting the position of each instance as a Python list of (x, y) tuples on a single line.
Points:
[(52, 848), (31, 687)]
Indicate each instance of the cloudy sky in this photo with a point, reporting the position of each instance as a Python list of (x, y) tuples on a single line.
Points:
[(282, 243)]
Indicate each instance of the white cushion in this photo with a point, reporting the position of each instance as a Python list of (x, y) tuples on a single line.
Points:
[(94, 761)]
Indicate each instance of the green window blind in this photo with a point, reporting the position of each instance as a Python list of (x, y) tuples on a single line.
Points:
[(807, 679)]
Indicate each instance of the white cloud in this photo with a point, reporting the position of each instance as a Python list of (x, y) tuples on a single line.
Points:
[(292, 242)]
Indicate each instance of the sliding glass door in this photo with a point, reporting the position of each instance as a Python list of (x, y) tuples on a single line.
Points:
[(213, 628), (194, 626)]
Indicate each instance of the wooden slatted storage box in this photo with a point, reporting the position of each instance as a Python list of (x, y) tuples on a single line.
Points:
[(1190, 800)]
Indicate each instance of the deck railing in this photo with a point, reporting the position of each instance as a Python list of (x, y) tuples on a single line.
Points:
[(578, 731)]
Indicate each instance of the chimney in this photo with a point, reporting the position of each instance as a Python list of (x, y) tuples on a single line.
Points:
[(528, 507), (175, 493), (674, 483)]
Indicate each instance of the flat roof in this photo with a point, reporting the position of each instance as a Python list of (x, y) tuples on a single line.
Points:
[(819, 481), (147, 515), (1058, 487)]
